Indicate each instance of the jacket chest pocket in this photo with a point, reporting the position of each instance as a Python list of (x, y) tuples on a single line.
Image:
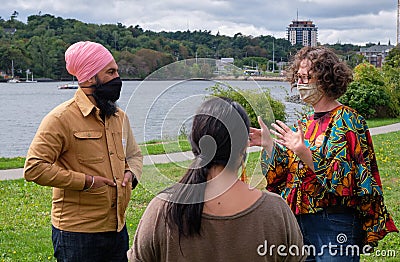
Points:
[(120, 144), (89, 146)]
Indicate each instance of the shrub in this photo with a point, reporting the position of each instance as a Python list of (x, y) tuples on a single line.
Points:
[(369, 100), (391, 76), (367, 93), (255, 102)]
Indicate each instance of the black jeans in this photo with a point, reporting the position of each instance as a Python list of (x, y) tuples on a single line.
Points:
[(91, 247)]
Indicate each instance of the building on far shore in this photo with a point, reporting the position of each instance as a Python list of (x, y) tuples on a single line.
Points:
[(304, 33), (376, 54), (224, 65)]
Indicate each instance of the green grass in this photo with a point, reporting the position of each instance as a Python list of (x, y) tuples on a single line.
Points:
[(150, 148), (382, 122), (388, 156), (25, 227), (156, 147), (160, 147), (9, 163)]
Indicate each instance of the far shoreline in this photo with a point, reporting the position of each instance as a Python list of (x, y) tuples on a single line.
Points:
[(255, 78), (226, 78)]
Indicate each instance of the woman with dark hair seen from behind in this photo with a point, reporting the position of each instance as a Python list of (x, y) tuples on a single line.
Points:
[(211, 215), (326, 168)]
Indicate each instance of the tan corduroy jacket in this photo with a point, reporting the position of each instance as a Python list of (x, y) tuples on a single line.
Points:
[(72, 141)]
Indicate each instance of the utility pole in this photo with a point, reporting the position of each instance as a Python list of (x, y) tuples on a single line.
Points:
[(273, 54), (398, 23)]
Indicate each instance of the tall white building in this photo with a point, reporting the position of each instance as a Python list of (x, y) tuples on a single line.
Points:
[(302, 32)]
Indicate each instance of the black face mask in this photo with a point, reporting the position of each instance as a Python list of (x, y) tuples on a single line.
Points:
[(108, 91), (105, 95)]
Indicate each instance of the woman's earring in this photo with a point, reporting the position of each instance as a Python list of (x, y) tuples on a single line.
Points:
[(243, 176)]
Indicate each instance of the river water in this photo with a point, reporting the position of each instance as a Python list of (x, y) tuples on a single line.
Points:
[(156, 109)]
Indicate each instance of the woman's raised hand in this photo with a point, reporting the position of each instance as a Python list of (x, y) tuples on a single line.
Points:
[(294, 140), (261, 137)]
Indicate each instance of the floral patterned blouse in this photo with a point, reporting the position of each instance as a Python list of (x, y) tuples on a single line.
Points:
[(346, 171)]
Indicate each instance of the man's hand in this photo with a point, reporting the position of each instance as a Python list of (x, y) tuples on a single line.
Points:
[(128, 176), (92, 182)]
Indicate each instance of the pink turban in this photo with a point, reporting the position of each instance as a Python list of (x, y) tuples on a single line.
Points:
[(85, 59)]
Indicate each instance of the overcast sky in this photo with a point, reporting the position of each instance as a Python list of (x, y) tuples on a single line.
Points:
[(345, 21)]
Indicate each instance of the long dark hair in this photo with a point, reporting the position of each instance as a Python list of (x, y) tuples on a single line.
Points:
[(219, 136)]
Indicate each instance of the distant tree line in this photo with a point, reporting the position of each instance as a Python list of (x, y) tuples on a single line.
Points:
[(39, 46)]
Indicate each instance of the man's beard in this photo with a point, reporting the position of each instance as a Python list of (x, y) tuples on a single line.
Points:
[(107, 107)]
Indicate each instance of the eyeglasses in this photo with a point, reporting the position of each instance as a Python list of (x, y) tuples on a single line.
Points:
[(304, 78)]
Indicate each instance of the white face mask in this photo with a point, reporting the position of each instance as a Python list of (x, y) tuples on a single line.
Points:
[(310, 93)]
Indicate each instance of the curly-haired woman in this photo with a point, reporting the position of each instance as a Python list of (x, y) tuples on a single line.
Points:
[(326, 168)]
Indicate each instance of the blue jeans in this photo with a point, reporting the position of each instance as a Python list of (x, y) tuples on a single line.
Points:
[(335, 236), (90, 247)]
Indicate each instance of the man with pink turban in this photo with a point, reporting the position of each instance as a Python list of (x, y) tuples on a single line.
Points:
[(85, 149)]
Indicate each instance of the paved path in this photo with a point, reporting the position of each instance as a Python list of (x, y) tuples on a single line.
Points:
[(385, 129), (17, 173), (183, 156)]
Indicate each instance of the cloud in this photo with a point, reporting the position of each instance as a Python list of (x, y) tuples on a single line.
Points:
[(355, 21)]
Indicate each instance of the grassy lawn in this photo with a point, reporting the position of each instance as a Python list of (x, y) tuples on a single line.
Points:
[(25, 228), (157, 147), (382, 122), (9, 163), (150, 148)]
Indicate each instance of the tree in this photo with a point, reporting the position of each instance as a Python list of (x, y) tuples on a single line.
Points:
[(391, 75), (367, 93), (45, 51), (14, 15), (146, 61), (47, 35)]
